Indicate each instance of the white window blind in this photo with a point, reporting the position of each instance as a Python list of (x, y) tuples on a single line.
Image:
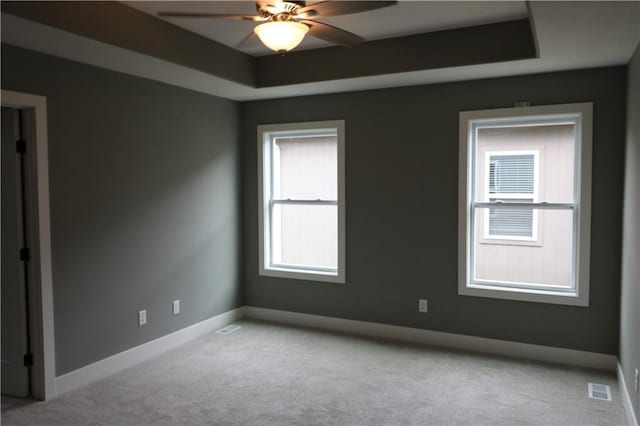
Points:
[(511, 222), (511, 174), (511, 177)]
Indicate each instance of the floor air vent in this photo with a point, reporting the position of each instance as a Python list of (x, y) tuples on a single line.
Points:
[(228, 329), (597, 391)]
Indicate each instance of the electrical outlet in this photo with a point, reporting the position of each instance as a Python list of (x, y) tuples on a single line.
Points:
[(142, 317), (176, 307), (637, 379), (422, 305)]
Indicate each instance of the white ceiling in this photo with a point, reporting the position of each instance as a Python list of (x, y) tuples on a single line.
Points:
[(407, 17), (571, 35)]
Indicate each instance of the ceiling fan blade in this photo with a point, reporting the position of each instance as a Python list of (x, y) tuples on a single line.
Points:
[(332, 34), (334, 8), (209, 15)]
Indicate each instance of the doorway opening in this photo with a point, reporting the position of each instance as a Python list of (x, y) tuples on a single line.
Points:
[(28, 356), (17, 357)]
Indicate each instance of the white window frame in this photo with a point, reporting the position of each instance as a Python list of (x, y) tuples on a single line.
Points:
[(266, 134), (505, 239), (582, 115)]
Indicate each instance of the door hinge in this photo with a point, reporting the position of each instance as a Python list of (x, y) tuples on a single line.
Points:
[(24, 254), (21, 146), (28, 359)]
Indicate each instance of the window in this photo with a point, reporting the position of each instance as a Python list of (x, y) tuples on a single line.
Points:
[(512, 178), (525, 185), (301, 201)]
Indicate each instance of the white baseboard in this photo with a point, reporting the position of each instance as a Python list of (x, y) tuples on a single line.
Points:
[(118, 362), (436, 338), (626, 399)]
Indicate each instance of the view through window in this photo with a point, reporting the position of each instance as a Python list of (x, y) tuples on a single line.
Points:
[(301, 201), (523, 183)]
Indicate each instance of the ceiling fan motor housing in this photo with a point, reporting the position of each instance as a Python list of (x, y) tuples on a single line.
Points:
[(286, 9)]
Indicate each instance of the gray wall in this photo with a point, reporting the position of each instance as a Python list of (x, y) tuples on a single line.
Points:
[(402, 169), (144, 182), (630, 293), (145, 206)]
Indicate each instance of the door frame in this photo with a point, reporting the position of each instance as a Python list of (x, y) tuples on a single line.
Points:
[(37, 175)]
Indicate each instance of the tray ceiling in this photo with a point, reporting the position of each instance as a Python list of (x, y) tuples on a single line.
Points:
[(412, 43), (405, 18)]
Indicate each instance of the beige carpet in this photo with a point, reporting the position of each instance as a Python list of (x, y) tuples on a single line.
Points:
[(266, 374)]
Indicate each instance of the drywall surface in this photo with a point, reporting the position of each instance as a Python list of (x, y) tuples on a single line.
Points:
[(144, 203), (630, 292), (402, 206), (120, 25)]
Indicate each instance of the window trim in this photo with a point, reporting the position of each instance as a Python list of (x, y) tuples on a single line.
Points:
[(578, 296), (534, 239), (264, 187)]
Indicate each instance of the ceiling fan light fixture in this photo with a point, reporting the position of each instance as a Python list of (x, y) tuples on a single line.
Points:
[(281, 36)]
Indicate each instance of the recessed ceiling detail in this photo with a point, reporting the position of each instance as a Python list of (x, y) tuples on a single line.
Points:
[(481, 44), (404, 18), (283, 24), (413, 43), (128, 28)]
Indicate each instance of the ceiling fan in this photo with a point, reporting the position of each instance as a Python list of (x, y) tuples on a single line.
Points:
[(285, 23)]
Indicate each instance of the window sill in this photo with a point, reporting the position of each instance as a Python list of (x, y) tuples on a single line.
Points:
[(525, 295), (510, 242), (298, 274)]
